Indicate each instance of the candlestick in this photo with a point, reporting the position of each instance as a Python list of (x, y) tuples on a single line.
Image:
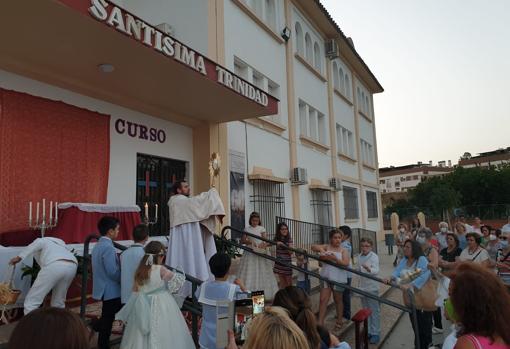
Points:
[(44, 224), (156, 212)]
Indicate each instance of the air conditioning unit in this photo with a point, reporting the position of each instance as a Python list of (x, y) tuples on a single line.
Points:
[(298, 176), (166, 28), (332, 49), (335, 184)]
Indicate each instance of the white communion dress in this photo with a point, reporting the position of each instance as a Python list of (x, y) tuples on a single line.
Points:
[(257, 272), (152, 316)]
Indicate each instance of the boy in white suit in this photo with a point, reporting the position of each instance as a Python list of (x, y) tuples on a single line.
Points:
[(58, 268)]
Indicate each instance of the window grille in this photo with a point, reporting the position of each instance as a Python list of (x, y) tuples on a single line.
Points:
[(350, 203), (372, 204), (269, 201), (321, 204)]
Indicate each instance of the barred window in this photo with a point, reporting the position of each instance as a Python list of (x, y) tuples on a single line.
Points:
[(321, 204), (350, 203), (372, 204), (269, 201)]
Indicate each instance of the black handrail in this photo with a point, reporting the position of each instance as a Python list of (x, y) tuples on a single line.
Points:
[(192, 306), (411, 309)]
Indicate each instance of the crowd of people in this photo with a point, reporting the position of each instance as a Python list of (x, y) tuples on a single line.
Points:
[(137, 290), (475, 252)]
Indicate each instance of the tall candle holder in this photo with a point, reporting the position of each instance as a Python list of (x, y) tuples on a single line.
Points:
[(146, 219), (44, 224)]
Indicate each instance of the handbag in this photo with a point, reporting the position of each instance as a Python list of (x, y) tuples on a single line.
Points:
[(424, 298)]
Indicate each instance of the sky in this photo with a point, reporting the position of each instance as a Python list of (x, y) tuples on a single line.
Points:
[(445, 69)]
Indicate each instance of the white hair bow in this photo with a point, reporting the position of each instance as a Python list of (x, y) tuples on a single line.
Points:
[(150, 259)]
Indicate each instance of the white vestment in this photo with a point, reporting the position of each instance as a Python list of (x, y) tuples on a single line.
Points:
[(191, 241)]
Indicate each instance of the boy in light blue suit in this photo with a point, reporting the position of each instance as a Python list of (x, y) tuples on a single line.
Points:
[(130, 259), (106, 278)]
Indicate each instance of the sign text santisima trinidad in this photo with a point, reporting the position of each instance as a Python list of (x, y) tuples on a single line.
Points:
[(143, 32)]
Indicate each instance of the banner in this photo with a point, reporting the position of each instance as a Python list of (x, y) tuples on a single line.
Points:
[(237, 196)]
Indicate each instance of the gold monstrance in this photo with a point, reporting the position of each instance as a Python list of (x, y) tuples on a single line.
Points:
[(214, 168)]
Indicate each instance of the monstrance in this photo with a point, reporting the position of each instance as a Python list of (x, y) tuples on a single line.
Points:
[(214, 168)]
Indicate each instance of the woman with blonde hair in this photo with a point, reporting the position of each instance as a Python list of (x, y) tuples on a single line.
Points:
[(273, 329), (152, 316)]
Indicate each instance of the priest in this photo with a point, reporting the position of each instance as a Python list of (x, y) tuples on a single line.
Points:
[(192, 226)]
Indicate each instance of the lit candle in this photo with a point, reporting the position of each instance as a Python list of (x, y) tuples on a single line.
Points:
[(51, 210), (30, 213), (37, 214), (146, 211), (43, 209), (156, 211)]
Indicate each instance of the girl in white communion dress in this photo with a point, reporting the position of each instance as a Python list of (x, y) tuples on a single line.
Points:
[(152, 316)]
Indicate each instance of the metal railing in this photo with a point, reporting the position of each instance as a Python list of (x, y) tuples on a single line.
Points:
[(195, 308), (411, 309), (306, 234), (192, 306)]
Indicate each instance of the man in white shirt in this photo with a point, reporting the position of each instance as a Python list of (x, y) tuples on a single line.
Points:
[(506, 228), (129, 261), (58, 268)]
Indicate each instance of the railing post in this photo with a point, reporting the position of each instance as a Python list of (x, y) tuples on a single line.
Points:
[(85, 275), (414, 315), (194, 316)]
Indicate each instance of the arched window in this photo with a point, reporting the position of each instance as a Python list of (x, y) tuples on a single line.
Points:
[(342, 82), (270, 15), (308, 47), (317, 57), (335, 76), (299, 39), (347, 87)]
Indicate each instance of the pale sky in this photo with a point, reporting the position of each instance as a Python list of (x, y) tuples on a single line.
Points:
[(445, 69)]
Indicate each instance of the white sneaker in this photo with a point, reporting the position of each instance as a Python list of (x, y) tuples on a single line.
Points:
[(436, 330)]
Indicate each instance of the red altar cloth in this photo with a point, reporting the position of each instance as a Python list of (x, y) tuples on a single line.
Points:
[(78, 221)]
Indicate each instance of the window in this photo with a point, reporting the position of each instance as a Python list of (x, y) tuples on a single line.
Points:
[(382, 181), (317, 57), (372, 204), (336, 81), (367, 106), (415, 177), (388, 184), (344, 144), (299, 39), (397, 184), (321, 204), (342, 81), (402, 179), (312, 123), (408, 178), (358, 95), (270, 14), (347, 87), (350, 203), (257, 79), (274, 90), (362, 102), (308, 47), (367, 153), (268, 200)]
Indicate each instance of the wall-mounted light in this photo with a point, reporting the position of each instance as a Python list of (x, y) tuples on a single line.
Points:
[(106, 68), (286, 34)]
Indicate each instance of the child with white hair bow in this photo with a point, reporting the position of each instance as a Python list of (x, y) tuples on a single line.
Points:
[(152, 316)]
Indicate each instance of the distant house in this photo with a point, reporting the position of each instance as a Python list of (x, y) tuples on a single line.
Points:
[(491, 158)]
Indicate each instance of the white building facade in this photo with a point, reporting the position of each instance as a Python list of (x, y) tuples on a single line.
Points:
[(313, 161)]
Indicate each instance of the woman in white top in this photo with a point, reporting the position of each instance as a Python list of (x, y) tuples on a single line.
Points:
[(474, 252), (333, 252), (255, 271)]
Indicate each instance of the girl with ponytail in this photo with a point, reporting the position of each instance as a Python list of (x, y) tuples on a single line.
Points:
[(152, 315), (298, 304)]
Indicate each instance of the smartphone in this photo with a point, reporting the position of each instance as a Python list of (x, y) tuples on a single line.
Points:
[(245, 310)]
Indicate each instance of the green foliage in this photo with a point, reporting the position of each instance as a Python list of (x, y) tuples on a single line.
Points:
[(473, 189), (230, 250)]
